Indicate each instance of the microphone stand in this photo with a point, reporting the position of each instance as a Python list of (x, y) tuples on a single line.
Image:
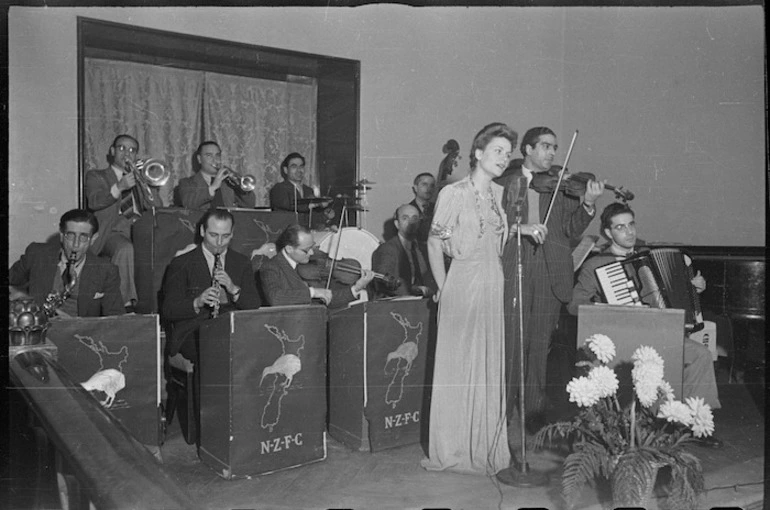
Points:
[(518, 474)]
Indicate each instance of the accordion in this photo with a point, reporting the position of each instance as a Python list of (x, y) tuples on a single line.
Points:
[(659, 278)]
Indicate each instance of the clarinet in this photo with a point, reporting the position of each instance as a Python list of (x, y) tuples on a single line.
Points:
[(55, 300), (216, 285)]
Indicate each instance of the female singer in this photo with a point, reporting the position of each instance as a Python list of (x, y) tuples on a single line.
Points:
[(468, 431)]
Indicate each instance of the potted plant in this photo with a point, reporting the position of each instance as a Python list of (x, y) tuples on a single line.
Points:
[(629, 445)]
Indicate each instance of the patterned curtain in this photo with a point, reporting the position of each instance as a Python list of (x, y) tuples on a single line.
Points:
[(258, 122), (159, 106)]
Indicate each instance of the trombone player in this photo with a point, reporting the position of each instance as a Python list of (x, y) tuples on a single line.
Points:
[(112, 194), (215, 185)]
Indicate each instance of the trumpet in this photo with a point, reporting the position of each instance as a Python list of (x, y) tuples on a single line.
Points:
[(245, 182)]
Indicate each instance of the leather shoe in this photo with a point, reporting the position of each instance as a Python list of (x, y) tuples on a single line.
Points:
[(709, 442)]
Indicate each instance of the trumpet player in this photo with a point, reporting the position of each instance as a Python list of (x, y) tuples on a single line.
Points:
[(214, 184), (88, 284), (113, 196), (208, 278)]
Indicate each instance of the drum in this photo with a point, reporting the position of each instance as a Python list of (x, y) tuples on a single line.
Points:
[(354, 243)]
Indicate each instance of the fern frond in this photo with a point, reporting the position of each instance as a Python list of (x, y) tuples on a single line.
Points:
[(581, 467), (634, 477)]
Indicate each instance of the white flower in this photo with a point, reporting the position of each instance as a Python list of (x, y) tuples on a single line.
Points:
[(702, 418), (647, 378), (602, 347), (583, 391), (666, 391), (605, 380), (646, 354), (676, 411)]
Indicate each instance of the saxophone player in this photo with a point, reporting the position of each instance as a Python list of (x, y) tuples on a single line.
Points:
[(80, 283)]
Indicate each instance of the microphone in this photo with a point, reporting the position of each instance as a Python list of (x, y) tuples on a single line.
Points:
[(517, 194)]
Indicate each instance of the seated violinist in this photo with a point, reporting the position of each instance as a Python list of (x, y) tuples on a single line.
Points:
[(283, 285), (402, 257)]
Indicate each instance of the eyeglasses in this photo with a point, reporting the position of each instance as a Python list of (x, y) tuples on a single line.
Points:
[(547, 146), (124, 148), (296, 167), (82, 238)]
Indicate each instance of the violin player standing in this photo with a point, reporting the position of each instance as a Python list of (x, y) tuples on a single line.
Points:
[(282, 284), (547, 275)]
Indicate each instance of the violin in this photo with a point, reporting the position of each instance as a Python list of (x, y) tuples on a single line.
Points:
[(572, 184), (344, 271)]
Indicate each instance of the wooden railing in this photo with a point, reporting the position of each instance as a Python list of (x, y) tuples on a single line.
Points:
[(113, 470)]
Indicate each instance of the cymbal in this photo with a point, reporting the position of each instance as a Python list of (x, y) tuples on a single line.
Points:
[(363, 182), (344, 196), (314, 200)]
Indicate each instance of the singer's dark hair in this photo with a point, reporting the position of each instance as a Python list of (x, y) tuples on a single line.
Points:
[(532, 136), (613, 210), (79, 216), (290, 236), (489, 132)]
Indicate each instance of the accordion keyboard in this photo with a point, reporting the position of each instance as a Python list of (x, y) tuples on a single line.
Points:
[(618, 288)]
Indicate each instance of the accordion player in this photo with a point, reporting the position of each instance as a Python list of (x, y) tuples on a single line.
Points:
[(659, 278)]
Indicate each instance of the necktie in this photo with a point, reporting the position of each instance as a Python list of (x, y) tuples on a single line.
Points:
[(416, 270), (129, 203)]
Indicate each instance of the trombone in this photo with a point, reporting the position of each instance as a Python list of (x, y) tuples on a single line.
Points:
[(150, 172), (245, 182)]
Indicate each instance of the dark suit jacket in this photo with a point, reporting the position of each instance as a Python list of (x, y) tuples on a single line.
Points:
[(282, 197), (193, 193), (566, 225), (391, 258), (282, 285), (99, 290), (106, 207), (186, 277)]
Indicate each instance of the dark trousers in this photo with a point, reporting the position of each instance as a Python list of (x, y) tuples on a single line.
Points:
[(541, 310)]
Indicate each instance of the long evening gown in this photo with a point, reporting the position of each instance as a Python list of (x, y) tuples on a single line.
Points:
[(468, 431)]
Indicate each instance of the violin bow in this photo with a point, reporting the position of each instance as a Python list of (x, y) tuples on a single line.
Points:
[(337, 247), (561, 176)]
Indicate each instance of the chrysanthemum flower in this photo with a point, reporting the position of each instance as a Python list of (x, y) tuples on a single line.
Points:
[(702, 418), (583, 391), (647, 378), (646, 354), (676, 411), (602, 347), (605, 380)]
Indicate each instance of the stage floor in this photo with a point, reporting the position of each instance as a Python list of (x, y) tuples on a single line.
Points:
[(393, 479)]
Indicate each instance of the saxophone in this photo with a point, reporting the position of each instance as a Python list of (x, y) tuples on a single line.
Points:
[(55, 300), (216, 285)]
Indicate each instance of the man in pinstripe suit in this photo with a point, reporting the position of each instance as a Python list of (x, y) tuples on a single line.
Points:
[(546, 257)]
